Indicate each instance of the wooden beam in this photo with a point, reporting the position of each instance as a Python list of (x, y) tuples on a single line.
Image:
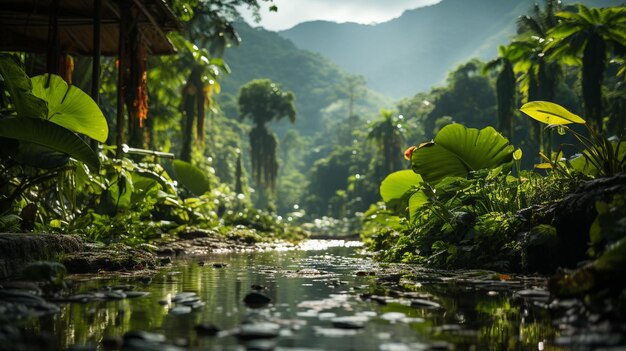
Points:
[(124, 10), (97, 48)]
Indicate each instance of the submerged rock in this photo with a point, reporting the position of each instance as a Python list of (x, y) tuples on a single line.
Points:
[(206, 329), (256, 299)]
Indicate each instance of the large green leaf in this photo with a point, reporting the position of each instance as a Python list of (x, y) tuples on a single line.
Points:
[(401, 187), (416, 201), (550, 113), (397, 184), (191, 177), (20, 88), (70, 107), (457, 150), (49, 135)]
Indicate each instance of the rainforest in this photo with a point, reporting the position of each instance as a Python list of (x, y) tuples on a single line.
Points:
[(174, 176)]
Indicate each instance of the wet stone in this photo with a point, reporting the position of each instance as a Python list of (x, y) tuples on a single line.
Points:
[(260, 345), (115, 295), (534, 294), (256, 299), (206, 329), (308, 271), (184, 296), (425, 304), (350, 322), (124, 287), (389, 279), (262, 330)]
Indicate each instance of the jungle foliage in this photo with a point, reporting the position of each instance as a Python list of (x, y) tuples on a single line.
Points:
[(469, 200)]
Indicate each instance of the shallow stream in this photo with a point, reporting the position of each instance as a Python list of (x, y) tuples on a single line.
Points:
[(325, 295)]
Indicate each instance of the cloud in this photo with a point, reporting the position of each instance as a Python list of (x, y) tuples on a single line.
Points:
[(292, 12)]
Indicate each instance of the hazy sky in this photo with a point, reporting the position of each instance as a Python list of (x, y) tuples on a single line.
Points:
[(292, 12)]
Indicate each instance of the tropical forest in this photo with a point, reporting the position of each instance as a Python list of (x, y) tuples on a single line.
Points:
[(312, 175)]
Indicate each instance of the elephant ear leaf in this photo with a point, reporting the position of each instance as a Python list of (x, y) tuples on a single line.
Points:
[(70, 107), (457, 151), (397, 184), (20, 87), (191, 177), (402, 188), (49, 135)]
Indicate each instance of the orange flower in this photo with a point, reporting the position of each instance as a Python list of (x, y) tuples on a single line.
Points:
[(409, 152)]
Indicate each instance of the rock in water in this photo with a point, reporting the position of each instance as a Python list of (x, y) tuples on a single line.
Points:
[(256, 299)]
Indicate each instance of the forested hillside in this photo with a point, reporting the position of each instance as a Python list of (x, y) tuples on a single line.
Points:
[(416, 50), (316, 81)]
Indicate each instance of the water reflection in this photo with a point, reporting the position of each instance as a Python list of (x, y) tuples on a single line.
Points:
[(318, 301)]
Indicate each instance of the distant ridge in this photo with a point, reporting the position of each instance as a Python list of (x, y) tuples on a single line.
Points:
[(415, 51)]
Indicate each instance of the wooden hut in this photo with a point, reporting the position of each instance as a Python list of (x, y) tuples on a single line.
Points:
[(128, 29)]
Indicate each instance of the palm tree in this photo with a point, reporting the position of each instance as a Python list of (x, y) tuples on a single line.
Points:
[(591, 33), (387, 133), (263, 101), (209, 32), (538, 77), (505, 87)]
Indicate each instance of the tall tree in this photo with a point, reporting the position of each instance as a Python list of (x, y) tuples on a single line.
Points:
[(386, 131), (585, 38), (505, 87), (263, 101), (208, 32), (538, 77)]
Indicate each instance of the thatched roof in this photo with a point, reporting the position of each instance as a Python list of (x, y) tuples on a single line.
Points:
[(24, 25)]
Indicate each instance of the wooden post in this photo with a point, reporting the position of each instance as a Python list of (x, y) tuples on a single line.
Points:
[(95, 64), (95, 67), (53, 50), (124, 14)]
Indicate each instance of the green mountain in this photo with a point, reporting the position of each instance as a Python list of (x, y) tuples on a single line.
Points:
[(416, 50), (314, 79)]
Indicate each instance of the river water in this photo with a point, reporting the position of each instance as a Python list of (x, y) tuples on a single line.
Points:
[(325, 295)]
